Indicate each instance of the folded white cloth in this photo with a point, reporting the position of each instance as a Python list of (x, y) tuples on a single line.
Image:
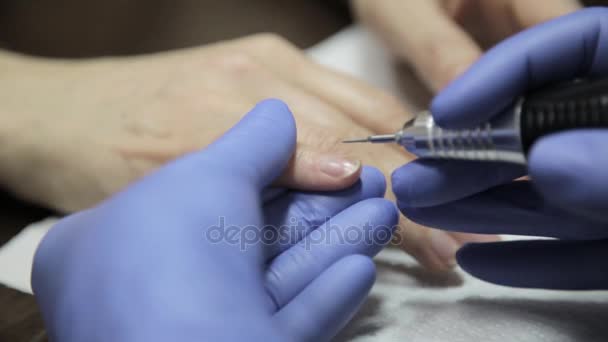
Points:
[(408, 303), (17, 255)]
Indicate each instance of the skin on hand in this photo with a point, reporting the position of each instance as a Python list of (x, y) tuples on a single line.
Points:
[(442, 38), (97, 125)]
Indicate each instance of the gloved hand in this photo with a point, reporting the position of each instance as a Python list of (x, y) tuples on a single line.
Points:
[(567, 198), (199, 251)]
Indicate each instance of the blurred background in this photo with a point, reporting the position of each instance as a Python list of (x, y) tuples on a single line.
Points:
[(84, 28)]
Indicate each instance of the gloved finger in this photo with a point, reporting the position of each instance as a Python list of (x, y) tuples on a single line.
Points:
[(291, 217), (324, 307), (427, 183), (259, 147), (570, 169), (523, 62), (543, 264), (421, 32), (364, 228), (514, 209)]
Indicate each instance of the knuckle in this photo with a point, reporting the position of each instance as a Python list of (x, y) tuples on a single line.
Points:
[(271, 41), (236, 62), (309, 215), (391, 107)]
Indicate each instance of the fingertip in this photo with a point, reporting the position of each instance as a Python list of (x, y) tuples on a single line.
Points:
[(401, 182), (279, 112), (258, 148), (546, 164), (422, 183), (382, 211), (361, 267), (374, 181), (275, 105), (566, 168), (433, 249)]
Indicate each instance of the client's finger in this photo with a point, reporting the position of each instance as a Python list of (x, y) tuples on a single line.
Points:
[(315, 170)]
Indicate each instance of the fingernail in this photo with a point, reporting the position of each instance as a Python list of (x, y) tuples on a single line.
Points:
[(445, 247), (338, 167)]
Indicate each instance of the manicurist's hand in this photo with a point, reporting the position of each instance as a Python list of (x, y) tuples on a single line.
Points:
[(203, 250), (567, 197)]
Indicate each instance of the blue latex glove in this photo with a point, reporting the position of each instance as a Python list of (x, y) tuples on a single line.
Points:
[(568, 197), (153, 263)]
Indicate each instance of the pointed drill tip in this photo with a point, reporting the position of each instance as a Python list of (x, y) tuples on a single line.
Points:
[(355, 141)]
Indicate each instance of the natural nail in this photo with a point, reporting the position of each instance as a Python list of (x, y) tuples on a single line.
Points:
[(338, 167)]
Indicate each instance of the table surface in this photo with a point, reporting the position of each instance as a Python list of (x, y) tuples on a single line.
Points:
[(19, 318)]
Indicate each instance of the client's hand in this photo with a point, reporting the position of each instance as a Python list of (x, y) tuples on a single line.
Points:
[(76, 132)]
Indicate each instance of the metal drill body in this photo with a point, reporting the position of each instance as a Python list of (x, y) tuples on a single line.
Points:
[(497, 140), (508, 137)]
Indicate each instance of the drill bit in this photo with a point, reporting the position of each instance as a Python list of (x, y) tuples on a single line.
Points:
[(374, 139)]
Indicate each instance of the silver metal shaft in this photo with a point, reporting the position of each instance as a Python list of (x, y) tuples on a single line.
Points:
[(375, 139), (498, 140)]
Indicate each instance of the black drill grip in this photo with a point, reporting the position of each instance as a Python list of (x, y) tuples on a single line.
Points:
[(574, 105)]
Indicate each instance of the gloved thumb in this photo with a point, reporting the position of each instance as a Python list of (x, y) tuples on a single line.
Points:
[(241, 163), (258, 148), (570, 171)]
